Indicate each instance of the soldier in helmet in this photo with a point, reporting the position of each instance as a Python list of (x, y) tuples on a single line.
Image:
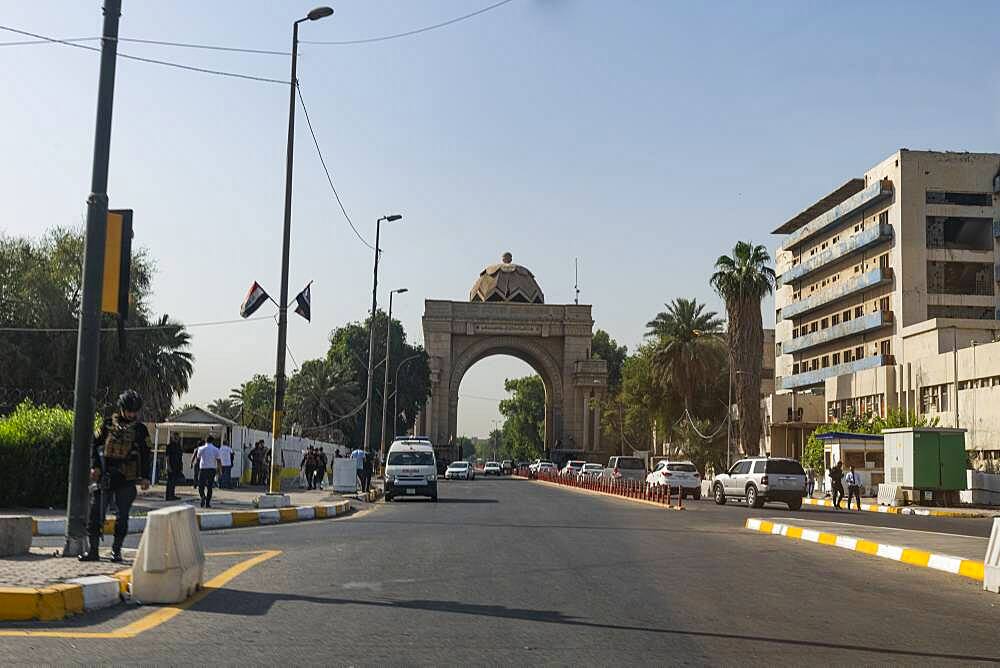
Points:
[(119, 459)]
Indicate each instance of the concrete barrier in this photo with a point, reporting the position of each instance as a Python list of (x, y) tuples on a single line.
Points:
[(170, 563), (991, 571), (15, 535)]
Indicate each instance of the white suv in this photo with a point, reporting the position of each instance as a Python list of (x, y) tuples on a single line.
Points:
[(762, 479)]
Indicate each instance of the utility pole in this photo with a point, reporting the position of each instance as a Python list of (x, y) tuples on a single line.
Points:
[(89, 337), (385, 384), (371, 332)]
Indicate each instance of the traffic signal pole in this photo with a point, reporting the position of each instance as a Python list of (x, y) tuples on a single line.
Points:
[(88, 339)]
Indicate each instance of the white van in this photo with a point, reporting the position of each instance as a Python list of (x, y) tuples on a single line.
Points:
[(411, 469)]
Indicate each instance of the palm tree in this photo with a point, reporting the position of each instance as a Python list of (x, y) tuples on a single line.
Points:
[(743, 280), (227, 408), (168, 365), (688, 346), (320, 393)]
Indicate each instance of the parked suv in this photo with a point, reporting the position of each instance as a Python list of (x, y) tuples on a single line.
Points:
[(762, 479), (625, 468)]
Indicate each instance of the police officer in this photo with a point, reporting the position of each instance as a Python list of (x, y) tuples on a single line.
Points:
[(119, 458)]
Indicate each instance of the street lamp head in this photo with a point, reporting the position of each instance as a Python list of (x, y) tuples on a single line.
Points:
[(393, 218), (401, 291), (319, 13)]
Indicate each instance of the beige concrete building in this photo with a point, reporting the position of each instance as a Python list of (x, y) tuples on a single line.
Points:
[(874, 276)]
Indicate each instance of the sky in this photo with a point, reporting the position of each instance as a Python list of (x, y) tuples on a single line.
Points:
[(644, 138)]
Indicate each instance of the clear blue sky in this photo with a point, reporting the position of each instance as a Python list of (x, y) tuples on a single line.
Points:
[(644, 138)]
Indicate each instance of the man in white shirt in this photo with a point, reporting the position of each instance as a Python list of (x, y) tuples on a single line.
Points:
[(358, 456), (853, 481), (226, 453), (208, 460)]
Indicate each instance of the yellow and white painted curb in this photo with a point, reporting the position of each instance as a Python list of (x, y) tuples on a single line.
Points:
[(941, 562), (903, 510), (227, 519), (58, 601)]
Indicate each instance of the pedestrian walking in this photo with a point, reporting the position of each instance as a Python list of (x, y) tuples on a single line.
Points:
[(321, 466), (853, 488), (257, 463), (308, 466), (175, 467), (837, 486), (119, 458), (810, 485), (367, 467), (208, 460), (226, 453), (358, 456)]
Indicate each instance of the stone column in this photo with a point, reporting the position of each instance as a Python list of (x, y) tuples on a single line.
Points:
[(583, 422), (597, 426)]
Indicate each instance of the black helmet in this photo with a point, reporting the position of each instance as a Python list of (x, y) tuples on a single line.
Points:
[(130, 401)]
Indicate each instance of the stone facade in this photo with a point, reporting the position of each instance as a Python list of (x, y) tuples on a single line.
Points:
[(555, 340)]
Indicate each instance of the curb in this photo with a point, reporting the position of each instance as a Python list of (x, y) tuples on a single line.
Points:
[(661, 506), (59, 601), (925, 512), (941, 562), (215, 520)]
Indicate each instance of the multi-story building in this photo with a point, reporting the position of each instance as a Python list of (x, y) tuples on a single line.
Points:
[(913, 240)]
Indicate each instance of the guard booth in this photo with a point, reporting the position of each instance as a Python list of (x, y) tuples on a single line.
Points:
[(865, 452), (927, 461)]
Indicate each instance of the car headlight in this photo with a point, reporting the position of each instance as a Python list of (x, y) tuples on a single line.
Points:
[(431, 477)]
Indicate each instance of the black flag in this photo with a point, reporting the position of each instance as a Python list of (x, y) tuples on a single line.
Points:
[(303, 303), (254, 300)]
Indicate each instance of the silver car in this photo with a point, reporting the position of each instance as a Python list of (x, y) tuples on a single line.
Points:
[(625, 468), (762, 479)]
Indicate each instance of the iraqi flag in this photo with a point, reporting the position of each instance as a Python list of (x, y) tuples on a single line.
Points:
[(254, 300), (303, 303)]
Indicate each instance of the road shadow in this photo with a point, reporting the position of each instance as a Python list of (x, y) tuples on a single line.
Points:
[(441, 499), (245, 603)]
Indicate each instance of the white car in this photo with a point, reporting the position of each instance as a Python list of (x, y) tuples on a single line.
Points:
[(590, 471), (460, 471), (492, 468), (572, 467), (411, 469), (547, 468), (681, 477)]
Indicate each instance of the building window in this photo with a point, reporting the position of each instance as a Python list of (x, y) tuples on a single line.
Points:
[(962, 199), (859, 311), (835, 359), (847, 315), (815, 364), (824, 323), (795, 332), (813, 327), (834, 319), (885, 347), (883, 217), (966, 312), (835, 239), (883, 261), (934, 398), (833, 279), (883, 304), (847, 355), (859, 352)]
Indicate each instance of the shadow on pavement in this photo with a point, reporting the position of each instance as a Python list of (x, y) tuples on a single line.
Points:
[(255, 603)]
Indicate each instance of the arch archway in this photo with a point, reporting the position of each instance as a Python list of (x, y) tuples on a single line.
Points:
[(554, 340)]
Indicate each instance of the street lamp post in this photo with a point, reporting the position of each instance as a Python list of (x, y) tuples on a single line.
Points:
[(274, 486), (371, 332), (395, 391), (385, 386)]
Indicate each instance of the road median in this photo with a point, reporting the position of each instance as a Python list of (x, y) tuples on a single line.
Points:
[(906, 510), (625, 490)]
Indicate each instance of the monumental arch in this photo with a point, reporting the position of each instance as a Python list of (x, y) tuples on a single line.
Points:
[(507, 315)]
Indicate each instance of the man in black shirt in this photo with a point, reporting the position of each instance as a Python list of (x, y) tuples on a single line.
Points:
[(119, 459), (175, 467)]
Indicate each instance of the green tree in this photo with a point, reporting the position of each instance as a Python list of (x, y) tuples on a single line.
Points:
[(40, 290), (349, 351), (607, 349), (254, 401), (465, 446), (524, 417), (225, 407), (320, 395), (688, 347), (743, 280)]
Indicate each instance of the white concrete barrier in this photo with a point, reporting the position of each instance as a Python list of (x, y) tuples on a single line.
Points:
[(170, 563), (215, 520), (15, 535), (991, 570), (99, 591), (55, 526)]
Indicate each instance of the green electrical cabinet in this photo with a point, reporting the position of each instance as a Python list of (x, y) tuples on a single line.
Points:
[(926, 458)]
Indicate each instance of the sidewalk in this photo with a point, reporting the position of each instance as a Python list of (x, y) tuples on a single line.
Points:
[(871, 505), (951, 553)]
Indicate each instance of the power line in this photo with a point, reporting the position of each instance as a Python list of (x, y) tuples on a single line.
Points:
[(157, 42), (141, 59), (409, 33), (213, 323), (322, 161)]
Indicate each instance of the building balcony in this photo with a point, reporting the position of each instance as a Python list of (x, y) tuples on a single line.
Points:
[(852, 286), (866, 323), (818, 376), (875, 192), (846, 248)]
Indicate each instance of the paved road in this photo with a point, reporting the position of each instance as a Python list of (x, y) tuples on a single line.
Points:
[(512, 572)]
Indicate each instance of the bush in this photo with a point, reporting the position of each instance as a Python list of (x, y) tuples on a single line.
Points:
[(34, 456)]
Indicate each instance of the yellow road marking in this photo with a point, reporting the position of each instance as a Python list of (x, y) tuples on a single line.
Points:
[(160, 615)]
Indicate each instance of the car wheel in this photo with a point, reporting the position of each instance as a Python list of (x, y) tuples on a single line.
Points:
[(388, 498), (753, 498), (720, 495), (696, 495), (795, 504), (434, 499)]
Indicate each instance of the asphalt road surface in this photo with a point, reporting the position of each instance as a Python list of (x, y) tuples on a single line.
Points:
[(513, 572)]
